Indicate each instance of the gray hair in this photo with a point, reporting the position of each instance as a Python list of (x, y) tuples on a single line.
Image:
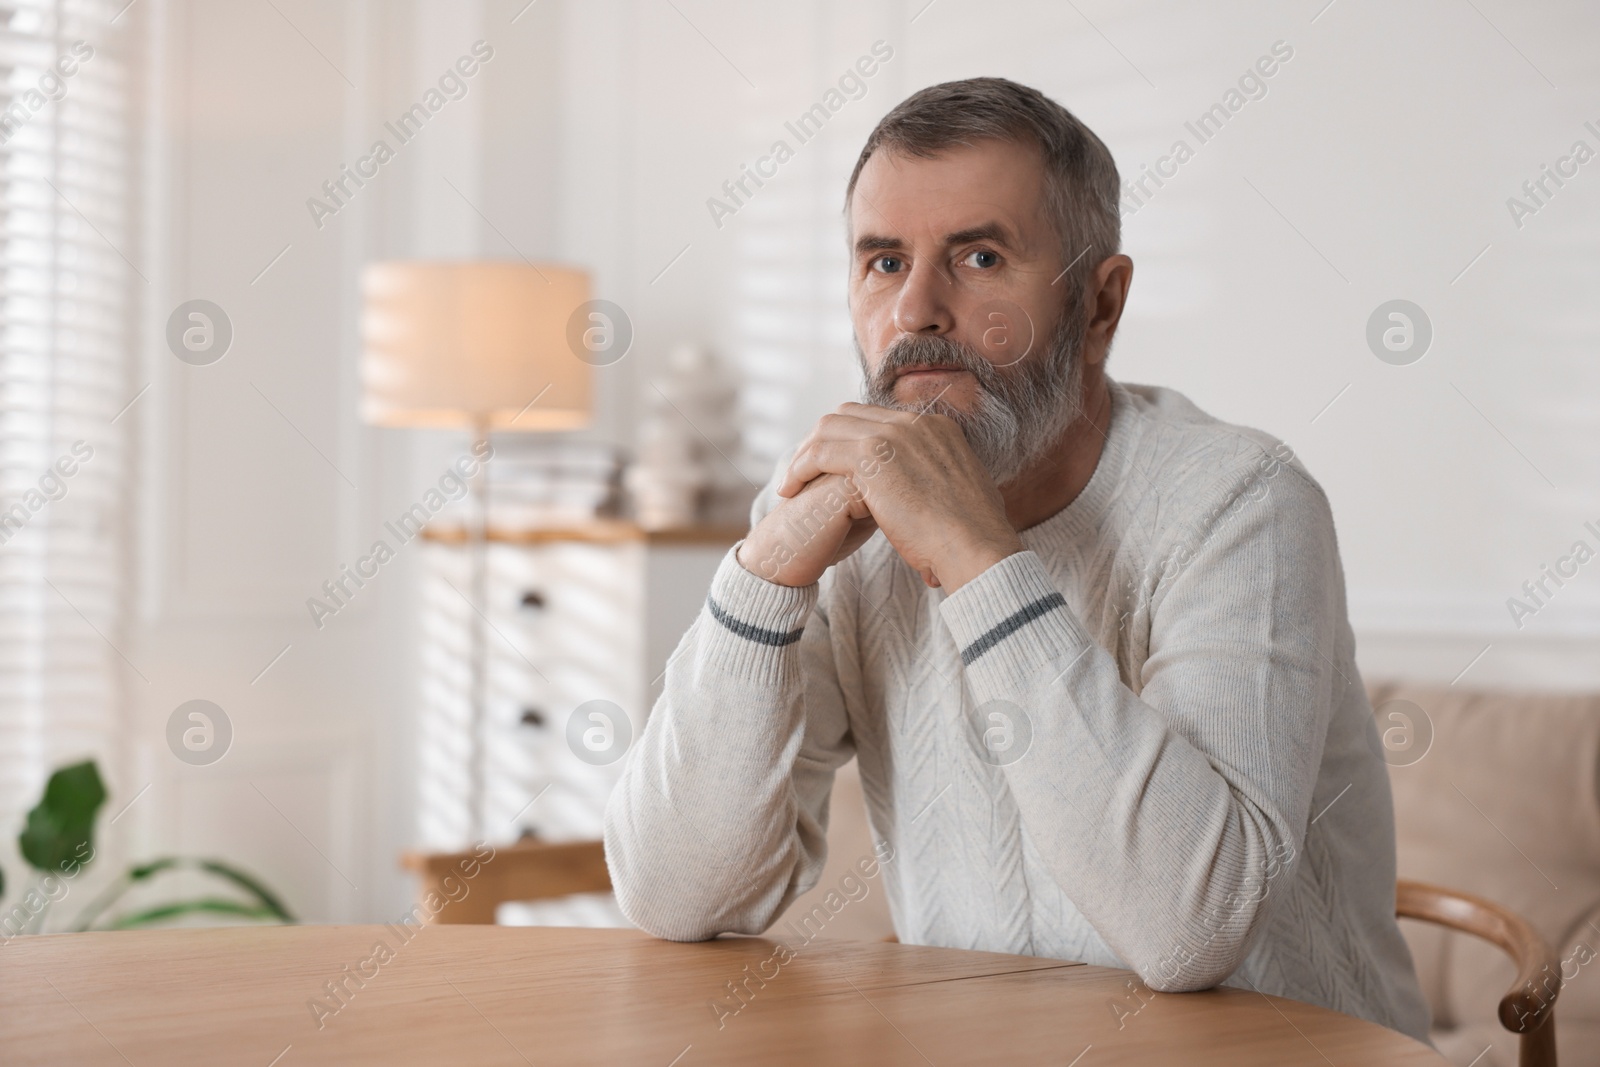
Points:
[(1081, 181)]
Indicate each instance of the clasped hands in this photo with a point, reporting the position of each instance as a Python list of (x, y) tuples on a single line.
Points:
[(866, 468)]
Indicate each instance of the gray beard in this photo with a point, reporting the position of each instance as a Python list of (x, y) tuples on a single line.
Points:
[(1022, 411)]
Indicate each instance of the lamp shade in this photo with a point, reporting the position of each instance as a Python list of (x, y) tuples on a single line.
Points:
[(461, 343)]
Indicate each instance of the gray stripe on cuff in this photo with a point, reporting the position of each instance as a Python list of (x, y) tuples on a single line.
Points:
[(1010, 625), (776, 638)]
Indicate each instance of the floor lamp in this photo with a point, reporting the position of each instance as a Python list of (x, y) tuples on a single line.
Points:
[(481, 346)]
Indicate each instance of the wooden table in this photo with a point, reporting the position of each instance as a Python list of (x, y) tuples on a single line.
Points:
[(489, 996)]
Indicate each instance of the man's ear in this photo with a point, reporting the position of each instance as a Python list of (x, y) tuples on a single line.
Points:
[(1106, 295)]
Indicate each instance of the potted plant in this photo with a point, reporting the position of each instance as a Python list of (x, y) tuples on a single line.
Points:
[(58, 843)]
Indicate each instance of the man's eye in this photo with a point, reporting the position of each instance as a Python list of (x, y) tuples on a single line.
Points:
[(887, 264), (982, 258)]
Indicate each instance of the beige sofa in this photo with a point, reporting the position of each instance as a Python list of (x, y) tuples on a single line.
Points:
[(1505, 803)]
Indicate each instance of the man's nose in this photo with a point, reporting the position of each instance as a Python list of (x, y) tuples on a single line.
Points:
[(923, 306)]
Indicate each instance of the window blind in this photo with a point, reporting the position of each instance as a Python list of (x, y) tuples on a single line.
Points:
[(65, 279)]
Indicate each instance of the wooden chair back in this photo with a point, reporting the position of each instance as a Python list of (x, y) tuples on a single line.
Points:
[(1528, 1008), (527, 870)]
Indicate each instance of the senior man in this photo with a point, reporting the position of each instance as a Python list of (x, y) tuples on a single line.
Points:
[(1088, 644)]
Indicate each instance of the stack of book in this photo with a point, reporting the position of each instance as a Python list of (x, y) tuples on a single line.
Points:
[(535, 481), (689, 440)]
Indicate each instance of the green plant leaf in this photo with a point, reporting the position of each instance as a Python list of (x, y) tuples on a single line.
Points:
[(124, 882), (139, 872), (251, 885), (270, 907), (103, 900), (206, 905), (61, 826)]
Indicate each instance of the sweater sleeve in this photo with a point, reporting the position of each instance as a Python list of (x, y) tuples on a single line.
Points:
[(719, 819), (1166, 815)]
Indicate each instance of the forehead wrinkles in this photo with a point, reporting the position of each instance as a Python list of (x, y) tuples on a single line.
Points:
[(922, 200)]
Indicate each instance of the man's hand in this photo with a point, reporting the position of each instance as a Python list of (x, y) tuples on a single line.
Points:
[(805, 535), (919, 481)]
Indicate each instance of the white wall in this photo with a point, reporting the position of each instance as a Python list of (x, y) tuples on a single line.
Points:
[(1377, 166)]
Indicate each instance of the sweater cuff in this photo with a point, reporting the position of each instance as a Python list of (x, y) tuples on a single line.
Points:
[(1010, 621), (751, 626)]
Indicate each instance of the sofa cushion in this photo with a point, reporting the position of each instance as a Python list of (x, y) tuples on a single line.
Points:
[(1505, 803)]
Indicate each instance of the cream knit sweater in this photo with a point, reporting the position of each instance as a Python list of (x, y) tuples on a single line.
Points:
[(1141, 743)]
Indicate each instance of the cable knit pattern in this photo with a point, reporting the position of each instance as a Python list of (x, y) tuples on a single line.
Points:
[(1142, 742)]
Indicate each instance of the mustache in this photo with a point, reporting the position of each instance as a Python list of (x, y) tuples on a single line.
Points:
[(915, 351), (1021, 410)]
